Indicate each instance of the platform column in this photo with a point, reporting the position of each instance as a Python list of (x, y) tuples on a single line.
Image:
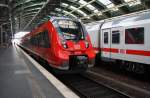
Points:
[(1, 39), (11, 23)]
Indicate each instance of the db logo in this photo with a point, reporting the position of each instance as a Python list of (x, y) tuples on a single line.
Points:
[(77, 46)]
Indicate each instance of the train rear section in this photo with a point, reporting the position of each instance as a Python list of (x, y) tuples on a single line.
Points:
[(123, 40)]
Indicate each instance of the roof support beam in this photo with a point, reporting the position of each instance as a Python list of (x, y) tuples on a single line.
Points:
[(80, 7), (1, 35), (16, 10), (106, 10), (124, 9), (46, 8), (36, 14), (4, 5)]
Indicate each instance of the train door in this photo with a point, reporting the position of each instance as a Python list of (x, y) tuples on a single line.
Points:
[(105, 44), (117, 43)]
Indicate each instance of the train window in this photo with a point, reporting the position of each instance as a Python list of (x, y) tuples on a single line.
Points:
[(36, 41), (32, 40), (115, 37), (46, 39), (69, 30), (134, 35), (41, 39), (106, 37)]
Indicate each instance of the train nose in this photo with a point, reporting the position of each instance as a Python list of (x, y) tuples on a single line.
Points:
[(78, 61)]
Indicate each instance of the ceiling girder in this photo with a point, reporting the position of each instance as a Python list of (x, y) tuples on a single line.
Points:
[(26, 7), (33, 12), (46, 8)]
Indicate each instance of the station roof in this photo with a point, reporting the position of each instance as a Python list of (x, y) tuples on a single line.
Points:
[(26, 14)]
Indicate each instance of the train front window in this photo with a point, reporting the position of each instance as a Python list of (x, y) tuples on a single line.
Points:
[(70, 30)]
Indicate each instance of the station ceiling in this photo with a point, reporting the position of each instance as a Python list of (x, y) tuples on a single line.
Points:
[(27, 14)]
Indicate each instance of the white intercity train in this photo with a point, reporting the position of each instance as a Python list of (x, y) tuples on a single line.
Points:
[(124, 40)]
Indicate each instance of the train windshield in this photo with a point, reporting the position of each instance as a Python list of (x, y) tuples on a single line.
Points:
[(69, 30)]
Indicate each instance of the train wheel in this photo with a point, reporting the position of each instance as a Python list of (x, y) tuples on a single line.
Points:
[(139, 68), (135, 67), (121, 64), (129, 66)]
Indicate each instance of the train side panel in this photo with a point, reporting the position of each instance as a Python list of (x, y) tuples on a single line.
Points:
[(139, 52), (93, 30), (93, 33), (126, 39), (63, 43)]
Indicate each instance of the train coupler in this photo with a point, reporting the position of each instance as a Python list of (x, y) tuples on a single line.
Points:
[(78, 61)]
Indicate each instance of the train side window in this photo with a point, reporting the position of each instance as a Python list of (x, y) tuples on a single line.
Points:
[(35, 40), (32, 40), (46, 39), (38, 40), (41, 39), (134, 35), (115, 37), (106, 37)]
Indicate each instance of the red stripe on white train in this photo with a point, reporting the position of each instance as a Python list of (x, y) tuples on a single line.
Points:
[(123, 51)]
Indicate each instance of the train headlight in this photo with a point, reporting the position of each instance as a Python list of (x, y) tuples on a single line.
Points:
[(86, 44), (65, 46)]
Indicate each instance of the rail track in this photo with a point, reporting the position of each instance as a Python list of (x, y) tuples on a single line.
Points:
[(84, 86), (88, 88)]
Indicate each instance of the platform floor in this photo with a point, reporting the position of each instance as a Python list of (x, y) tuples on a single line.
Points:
[(20, 79)]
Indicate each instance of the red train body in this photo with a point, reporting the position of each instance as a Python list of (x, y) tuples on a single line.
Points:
[(63, 43)]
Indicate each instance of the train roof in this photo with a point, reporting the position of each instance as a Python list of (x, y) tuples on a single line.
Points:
[(94, 25), (56, 18), (135, 19)]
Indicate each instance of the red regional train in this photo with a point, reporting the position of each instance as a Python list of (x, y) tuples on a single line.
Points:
[(63, 42)]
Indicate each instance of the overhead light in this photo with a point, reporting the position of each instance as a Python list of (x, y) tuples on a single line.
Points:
[(57, 9), (96, 11), (73, 8), (82, 2), (72, 0), (52, 13), (88, 17), (99, 13), (15, 18), (109, 5), (84, 14), (133, 2), (91, 7), (79, 11), (105, 2), (20, 34), (64, 4)]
